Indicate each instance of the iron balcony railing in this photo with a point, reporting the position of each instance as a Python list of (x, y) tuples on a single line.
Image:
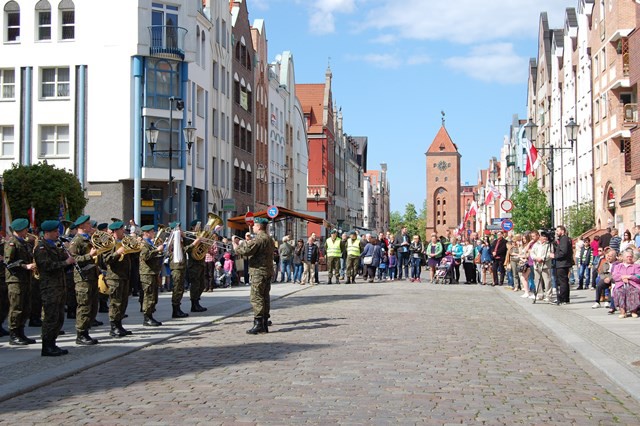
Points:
[(167, 41)]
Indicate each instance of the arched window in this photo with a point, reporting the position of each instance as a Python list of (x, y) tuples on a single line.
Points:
[(12, 19), (161, 83), (43, 16), (67, 20)]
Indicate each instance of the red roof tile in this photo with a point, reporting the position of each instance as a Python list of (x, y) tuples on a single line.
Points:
[(442, 142)]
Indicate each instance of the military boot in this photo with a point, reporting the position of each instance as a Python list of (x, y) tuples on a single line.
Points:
[(83, 338), (199, 306), (177, 312), (122, 329), (115, 331), (24, 337), (258, 326), (49, 348), (149, 321), (194, 306), (329, 280), (16, 339)]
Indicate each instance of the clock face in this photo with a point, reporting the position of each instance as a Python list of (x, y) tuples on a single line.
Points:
[(442, 165)]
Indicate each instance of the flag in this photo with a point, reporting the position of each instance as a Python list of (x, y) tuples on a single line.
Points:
[(533, 162), (6, 214), (473, 210), (31, 214), (492, 192)]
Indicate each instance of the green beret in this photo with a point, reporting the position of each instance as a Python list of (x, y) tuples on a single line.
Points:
[(82, 219), (116, 225), (102, 226), (334, 231), (261, 220), (173, 225), (147, 228), (94, 223), (194, 222), (19, 224), (73, 226), (49, 225)]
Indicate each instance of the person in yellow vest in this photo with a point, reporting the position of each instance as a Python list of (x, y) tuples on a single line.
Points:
[(353, 257), (333, 249)]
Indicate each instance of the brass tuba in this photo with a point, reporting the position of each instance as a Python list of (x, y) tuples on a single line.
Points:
[(206, 234), (131, 244)]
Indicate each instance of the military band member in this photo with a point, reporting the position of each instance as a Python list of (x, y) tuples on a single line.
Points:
[(52, 261), (177, 264), (86, 285), (195, 274), (117, 279), (4, 293), (151, 259), (36, 299), (19, 253), (259, 251)]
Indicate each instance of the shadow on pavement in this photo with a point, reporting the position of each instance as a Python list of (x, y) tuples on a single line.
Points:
[(156, 363)]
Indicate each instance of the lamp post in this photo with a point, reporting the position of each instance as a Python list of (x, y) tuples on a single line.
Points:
[(531, 133), (262, 176), (152, 133), (572, 136)]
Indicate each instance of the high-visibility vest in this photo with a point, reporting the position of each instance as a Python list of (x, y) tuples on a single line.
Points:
[(353, 247), (333, 248)]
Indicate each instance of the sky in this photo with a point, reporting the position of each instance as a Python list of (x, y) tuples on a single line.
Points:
[(397, 64)]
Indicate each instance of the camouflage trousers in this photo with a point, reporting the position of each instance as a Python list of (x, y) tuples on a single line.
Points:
[(19, 304), (119, 295), (4, 300), (149, 285), (353, 263), (87, 304), (260, 298), (333, 267), (53, 301), (177, 276), (196, 281)]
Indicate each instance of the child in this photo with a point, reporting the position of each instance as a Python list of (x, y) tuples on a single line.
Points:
[(229, 267), (392, 264), (382, 267), (219, 276)]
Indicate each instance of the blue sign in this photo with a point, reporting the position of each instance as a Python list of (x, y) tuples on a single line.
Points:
[(272, 212), (507, 225)]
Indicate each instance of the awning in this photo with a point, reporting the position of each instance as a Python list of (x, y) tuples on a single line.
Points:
[(238, 222)]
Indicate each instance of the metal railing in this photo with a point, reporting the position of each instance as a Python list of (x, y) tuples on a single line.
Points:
[(167, 41)]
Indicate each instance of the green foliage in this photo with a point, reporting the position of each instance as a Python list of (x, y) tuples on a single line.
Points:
[(579, 219), (414, 221), (41, 186), (531, 209)]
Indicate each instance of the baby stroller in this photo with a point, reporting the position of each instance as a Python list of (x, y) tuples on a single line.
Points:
[(444, 270)]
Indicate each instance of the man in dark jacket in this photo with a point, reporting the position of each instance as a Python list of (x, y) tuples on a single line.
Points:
[(401, 244), (564, 262), (498, 253)]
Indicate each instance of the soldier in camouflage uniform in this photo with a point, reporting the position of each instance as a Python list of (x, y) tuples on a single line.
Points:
[(151, 259), (86, 285), (36, 299), (195, 274), (52, 261), (117, 278), (260, 253), (177, 272), (19, 253), (4, 293)]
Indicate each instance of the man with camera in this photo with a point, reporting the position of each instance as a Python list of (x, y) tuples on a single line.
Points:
[(564, 262)]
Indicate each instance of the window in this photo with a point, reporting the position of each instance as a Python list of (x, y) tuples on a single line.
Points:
[(217, 29), (597, 110), (223, 82), (605, 153), (626, 150), (597, 156), (214, 122), (43, 14), (203, 50), (223, 126), (55, 83), (216, 76), (214, 170), (236, 134), (200, 153), (67, 20), (236, 91), (7, 140), (200, 102), (12, 19), (604, 105), (54, 141), (224, 34), (249, 140), (162, 82), (236, 178), (7, 84)]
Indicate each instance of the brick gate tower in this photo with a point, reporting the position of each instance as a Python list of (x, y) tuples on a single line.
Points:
[(443, 184)]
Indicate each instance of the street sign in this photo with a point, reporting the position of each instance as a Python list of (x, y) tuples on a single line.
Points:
[(272, 212), (507, 205), (248, 218), (228, 204), (507, 225)]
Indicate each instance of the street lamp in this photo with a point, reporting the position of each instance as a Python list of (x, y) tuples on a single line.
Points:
[(317, 197), (262, 176), (152, 133), (572, 135)]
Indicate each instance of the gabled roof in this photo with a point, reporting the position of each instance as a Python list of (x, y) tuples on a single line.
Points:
[(442, 143), (311, 98)]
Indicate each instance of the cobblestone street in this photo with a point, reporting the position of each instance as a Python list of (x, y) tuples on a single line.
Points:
[(384, 353)]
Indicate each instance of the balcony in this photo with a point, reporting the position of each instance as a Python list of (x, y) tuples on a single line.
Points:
[(630, 114), (167, 41)]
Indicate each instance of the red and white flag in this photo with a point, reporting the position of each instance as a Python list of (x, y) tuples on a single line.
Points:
[(31, 214), (492, 192), (533, 161), (473, 210)]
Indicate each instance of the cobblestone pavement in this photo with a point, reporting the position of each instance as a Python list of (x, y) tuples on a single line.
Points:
[(388, 353)]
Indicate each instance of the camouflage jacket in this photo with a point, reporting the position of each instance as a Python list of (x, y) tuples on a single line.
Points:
[(51, 261), (18, 249), (79, 248), (150, 259), (259, 251)]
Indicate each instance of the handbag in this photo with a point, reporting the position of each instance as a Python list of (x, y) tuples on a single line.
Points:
[(477, 259), (367, 260), (523, 268)]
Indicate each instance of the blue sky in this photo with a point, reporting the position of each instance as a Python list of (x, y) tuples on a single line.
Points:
[(397, 64)]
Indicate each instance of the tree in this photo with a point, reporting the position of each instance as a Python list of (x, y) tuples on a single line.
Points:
[(42, 186), (579, 219), (531, 210), (411, 219)]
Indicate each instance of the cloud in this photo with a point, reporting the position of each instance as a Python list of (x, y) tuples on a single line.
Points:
[(418, 60), (390, 60), (464, 21), (492, 63), (322, 14)]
